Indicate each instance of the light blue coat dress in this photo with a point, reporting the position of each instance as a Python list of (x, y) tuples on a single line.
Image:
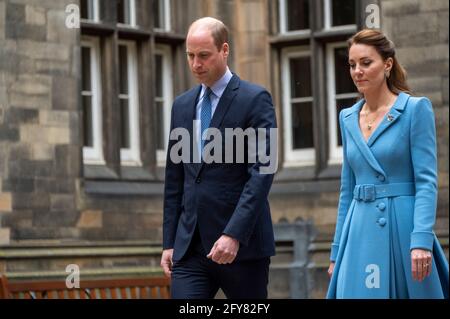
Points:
[(387, 205)]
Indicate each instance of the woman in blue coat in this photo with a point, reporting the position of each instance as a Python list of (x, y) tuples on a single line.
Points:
[(384, 245)]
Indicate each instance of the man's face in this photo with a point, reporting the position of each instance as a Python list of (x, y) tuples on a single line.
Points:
[(207, 63)]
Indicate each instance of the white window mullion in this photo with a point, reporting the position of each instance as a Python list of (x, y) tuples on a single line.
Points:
[(293, 157), (96, 7), (94, 154), (131, 156), (166, 99)]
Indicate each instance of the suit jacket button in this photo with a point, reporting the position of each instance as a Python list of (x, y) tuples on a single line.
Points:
[(198, 180), (382, 221), (381, 178), (381, 206)]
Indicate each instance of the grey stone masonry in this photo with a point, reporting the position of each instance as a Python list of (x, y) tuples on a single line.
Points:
[(39, 106), (420, 31)]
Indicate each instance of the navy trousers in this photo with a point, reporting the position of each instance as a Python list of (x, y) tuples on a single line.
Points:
[(197, 277)]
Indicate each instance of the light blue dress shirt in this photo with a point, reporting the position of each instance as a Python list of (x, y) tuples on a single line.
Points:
[(217, 90)]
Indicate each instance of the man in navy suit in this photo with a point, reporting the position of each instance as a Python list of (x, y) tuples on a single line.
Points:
[(217, 230)]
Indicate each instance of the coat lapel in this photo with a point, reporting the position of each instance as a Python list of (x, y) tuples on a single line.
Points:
[(223, 106), (351, 122), (390, 118)]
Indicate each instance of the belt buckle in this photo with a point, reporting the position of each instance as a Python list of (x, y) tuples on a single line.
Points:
[(368, 193)]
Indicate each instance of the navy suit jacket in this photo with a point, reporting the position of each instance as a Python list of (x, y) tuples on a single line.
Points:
[(222, 198)]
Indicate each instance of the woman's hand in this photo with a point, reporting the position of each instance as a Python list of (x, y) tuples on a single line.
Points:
[(330, 269), (420, 263)]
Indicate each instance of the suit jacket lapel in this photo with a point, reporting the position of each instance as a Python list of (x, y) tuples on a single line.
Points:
[(225, 101), (223, 106), (351, 122), (190, 117), (390, 118)]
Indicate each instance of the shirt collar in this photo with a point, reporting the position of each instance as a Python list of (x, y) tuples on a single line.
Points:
[(219, 87)]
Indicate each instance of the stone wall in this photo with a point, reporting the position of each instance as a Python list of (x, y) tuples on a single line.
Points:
[(40, 146)]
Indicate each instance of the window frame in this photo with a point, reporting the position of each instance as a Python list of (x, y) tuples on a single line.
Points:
[(94, 155), (283, 21), (95, 14), (131, 156), (303, 157), (328, 17), (167, 23), (167, 98), (132, 11)]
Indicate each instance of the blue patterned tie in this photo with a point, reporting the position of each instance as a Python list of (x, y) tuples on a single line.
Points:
[(205, 115)]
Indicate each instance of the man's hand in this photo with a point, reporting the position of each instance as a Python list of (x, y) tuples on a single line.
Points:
[(166, 262), (224, 250)]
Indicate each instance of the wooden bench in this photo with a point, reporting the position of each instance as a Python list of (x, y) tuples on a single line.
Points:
[(130, 288)]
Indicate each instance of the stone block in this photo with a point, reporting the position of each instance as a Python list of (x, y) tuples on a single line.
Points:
[(5, 202), (35, 15), (19, 152), (45, 218), (445, 90), (418, 23), (46, 135), (399, 7), (23, 168), (32, 85), (44, 50), (2, 19), (53, 67), (54, 118), (67, 161), (17, 115), (409, 56), (62, 202), (54, 185), (15, 13), (5, 236), (443, 26), (22, 185), (56, 30), (434, 5), (10, 134), (65, 93), (257, 11), (43, 151), (90, 219)]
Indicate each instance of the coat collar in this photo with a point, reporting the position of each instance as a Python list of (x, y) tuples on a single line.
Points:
[(351, 121)]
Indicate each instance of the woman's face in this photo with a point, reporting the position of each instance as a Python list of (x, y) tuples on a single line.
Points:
[(367, 68)]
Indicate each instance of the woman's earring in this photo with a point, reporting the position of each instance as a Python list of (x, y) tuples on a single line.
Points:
[(387, 74)]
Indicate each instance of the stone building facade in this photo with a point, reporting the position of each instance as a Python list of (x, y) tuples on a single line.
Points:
[(84, 113)]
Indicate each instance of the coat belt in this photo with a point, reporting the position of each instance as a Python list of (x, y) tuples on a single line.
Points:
[(370, 192)]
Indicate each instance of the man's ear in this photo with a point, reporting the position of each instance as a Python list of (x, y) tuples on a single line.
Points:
[(226, 49)]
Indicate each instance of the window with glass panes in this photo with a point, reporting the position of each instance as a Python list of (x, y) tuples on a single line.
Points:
[(163, 98), (126, 12), (128, 101), (161, 14), (294, 15), (89, 10), (315, 80), (90, 99), (339, 13)]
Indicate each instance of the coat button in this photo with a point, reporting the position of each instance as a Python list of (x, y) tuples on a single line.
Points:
[(381, 178), (381, 206), (382, 221), (198, 180)]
